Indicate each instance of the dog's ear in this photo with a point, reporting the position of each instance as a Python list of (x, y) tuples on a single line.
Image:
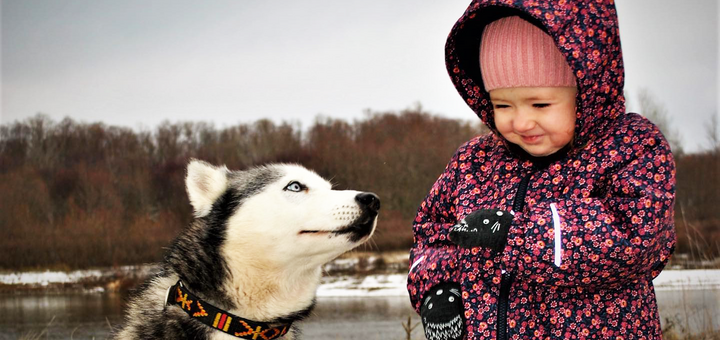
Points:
[(204, 184)]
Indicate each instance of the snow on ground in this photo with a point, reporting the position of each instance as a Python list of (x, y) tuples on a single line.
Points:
[(688, 279), (345, 286), (394, 285), (371, 285), (47, 277)]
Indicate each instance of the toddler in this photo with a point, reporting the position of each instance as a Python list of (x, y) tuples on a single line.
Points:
[(554, 225)]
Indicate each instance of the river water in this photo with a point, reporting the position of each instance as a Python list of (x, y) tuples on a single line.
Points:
[(91, 316)]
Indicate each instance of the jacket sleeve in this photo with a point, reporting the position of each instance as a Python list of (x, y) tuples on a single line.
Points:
[(625, 234), (433, 258)]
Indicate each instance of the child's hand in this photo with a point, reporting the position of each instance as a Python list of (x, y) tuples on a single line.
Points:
[(442, 311), (483, 228)]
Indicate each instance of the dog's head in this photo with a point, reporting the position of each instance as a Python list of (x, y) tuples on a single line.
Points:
[(282, 213)]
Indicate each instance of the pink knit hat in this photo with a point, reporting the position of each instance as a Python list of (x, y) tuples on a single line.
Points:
[(516, 53)]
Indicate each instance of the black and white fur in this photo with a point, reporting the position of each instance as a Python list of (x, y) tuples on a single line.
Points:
[(254, 249)]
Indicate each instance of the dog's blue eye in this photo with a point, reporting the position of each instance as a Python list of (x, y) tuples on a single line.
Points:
[(295, 187)]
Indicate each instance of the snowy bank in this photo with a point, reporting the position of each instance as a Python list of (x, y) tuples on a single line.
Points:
[(371, 285), (332, 286), (688, 279), (94, 280), (394, 284)]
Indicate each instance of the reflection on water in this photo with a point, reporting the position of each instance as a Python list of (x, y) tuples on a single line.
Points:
[(361, 318), (690, 310), (77, 316), (88, 316)]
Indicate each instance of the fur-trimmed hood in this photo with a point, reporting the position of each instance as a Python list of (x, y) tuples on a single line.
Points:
[(586, 33)]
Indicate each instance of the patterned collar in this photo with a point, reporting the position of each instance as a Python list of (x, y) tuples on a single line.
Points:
[(201, 310)]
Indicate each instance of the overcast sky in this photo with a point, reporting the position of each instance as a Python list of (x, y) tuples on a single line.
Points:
[(138, 62)]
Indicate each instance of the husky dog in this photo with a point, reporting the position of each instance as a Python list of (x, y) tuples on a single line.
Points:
[(250, 262)]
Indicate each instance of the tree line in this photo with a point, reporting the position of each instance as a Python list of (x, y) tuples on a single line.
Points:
[(87, 194), (79, 195)]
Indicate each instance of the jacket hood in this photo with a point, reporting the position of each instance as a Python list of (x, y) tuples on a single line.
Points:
[(585, 32)]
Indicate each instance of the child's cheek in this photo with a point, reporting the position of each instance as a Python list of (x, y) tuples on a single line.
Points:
[(503, 126)]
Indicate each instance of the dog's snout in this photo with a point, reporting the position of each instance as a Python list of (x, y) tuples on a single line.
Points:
[(368, 200)]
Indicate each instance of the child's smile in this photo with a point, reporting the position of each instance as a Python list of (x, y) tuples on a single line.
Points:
[(531, 139), (541, 120)]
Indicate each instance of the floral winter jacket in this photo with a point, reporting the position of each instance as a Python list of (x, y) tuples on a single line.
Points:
[(593, 224)]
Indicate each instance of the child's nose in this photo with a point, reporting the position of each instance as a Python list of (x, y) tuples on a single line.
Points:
[(523, 122)]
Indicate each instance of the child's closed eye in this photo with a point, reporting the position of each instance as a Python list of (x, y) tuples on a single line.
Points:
[(540, 105), (500, 106)]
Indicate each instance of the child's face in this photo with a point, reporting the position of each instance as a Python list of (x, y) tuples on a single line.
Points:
[(541, 120)]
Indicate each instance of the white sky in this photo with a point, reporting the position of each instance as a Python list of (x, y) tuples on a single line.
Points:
[(139, 62)]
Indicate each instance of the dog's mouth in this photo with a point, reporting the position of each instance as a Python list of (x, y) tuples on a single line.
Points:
[(359, 229), (320, 232)]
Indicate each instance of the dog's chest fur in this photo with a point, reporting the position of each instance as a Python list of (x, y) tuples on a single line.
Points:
[(149, 318)]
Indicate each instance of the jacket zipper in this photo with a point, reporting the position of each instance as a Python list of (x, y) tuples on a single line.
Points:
[(507, 279)]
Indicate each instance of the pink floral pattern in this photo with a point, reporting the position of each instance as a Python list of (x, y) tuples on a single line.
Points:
[(613, 193)]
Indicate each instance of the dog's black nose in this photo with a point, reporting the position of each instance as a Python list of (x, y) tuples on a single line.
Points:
[(368, 200)]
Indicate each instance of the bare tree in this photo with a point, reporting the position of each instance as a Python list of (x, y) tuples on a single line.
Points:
[(712, 133), (658, 114)]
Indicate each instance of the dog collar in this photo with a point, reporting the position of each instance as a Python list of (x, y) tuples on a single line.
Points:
[(221, 320)]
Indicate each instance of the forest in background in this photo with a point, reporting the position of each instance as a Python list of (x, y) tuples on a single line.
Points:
[(78, 195)]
